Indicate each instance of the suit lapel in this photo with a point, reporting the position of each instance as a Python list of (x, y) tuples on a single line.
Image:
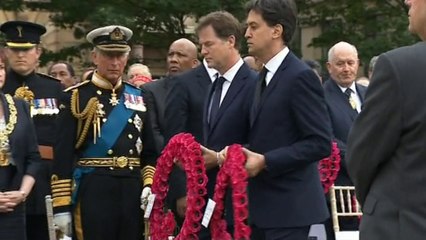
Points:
[(271, 86), (361, 92), (236, 86), (342, 101), (203, 78)]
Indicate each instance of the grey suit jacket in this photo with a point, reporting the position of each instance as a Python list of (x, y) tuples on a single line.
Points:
[(386, 153)]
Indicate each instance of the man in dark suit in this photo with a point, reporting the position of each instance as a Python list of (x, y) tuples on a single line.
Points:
[(290, 130), (184, 113), (344, 98), (42, 92), (181, 57), (386, 146), (227, 108)]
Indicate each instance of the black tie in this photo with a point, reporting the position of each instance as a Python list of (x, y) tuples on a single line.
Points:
[(261, 85), (262, 78), (215, 102)]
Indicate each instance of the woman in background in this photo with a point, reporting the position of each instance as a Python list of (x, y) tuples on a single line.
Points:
[(19, 161)]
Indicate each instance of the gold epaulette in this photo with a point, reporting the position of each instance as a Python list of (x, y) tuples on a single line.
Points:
[(61, 191), (148, 175), (77, 85)]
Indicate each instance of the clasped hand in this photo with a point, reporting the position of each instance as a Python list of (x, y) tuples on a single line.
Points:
[(9, 200)]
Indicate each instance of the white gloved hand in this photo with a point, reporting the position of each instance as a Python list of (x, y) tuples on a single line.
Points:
[(144, 197), (63, 221)]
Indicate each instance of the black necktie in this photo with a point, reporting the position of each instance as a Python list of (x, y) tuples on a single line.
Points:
[(215, 101), (262, 78), (261, 85)]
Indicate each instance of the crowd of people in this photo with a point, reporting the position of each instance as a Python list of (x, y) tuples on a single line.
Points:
[(92, 142)]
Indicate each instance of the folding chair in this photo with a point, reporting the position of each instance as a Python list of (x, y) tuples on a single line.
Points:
[(348, 207)]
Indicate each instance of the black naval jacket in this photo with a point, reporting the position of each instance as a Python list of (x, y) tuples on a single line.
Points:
[(67, 156), (43, 87)]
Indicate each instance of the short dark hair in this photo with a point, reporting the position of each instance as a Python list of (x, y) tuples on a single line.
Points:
[(283, 12), (69, 67), (224, 24)]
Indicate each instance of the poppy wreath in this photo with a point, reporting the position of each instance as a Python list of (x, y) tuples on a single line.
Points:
[(231, 173), (329, 168), (183, 148)]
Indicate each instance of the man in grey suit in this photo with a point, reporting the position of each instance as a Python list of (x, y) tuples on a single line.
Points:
[(386, 153), (181, 57)]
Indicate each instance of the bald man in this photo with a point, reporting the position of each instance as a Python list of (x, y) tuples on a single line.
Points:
[(253, 63), (181, 57), (343, 97)]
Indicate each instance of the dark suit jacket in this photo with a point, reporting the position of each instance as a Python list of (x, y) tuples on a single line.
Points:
[(386, 153), (342, 116), (155, 97), (232, 123), (185, 101), (23, 140), (184, 113), (291, 128)]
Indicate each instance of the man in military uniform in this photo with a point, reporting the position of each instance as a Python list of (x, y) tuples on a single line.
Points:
[(42, 92), (104, 144)]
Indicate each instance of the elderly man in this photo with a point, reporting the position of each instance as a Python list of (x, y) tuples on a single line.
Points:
[(344, 98), (42, 92), (104, 143), (138, 74)]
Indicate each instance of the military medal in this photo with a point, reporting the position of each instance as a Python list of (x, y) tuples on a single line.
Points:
[(134, 102), (137, 121), (105, 84), (113, 100), (138, 145)]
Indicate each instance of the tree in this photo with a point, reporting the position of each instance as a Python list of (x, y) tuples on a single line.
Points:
[(373, 26), (155, 23)]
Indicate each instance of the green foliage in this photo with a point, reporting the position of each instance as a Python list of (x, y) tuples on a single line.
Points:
[(155, 23), (373, 26)]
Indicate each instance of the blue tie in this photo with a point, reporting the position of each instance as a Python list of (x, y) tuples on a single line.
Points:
[(215, 102)]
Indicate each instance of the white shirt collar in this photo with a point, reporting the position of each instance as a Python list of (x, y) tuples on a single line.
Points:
[(274, 63), (352, 87), (230, 74), (210, 71)]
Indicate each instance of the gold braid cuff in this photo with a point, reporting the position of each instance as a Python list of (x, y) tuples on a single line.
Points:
[(61, 191), (148, 175)]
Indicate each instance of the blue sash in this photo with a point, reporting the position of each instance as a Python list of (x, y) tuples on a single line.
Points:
[(113, 127), (111, 130)]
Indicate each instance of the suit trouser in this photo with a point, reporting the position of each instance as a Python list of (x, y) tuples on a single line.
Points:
[(108, 208)]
